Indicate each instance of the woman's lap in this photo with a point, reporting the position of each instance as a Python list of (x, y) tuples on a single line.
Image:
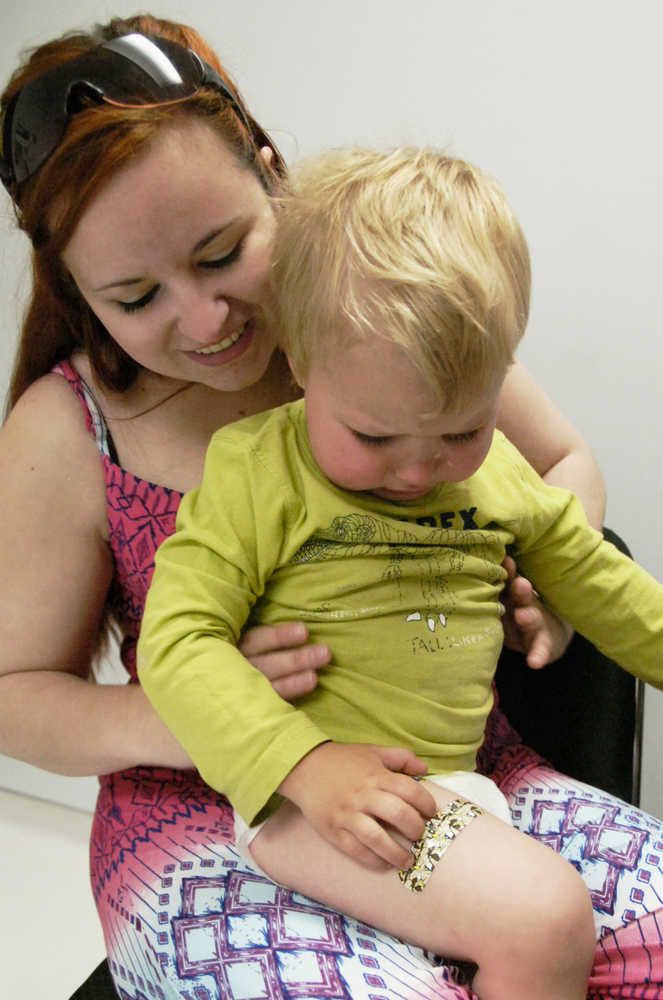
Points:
[(618, 850), (184, 916)]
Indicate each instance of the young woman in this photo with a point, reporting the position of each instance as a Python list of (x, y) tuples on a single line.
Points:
[(147, 329)]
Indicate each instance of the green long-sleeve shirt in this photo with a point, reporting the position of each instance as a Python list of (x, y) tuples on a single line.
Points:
[(406, 595)]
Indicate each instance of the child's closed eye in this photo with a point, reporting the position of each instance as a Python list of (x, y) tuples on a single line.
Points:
[(373, 441), (462, 438)]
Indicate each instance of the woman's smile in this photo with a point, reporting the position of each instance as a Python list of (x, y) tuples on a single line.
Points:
[(226, 350)]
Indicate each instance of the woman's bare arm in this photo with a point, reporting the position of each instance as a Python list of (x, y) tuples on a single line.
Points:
[(562, 457), (550, 443), (56, 570)]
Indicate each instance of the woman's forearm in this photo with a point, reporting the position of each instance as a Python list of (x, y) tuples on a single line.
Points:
[(70, 726)]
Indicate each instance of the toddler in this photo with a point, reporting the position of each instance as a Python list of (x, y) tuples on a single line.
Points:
[(379, 510)]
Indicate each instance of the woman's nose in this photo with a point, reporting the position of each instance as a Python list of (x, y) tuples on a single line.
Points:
[(201, 318)]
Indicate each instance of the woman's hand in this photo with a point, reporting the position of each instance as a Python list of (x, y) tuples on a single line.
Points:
[(351, 793), (286, 658), (529, 627)]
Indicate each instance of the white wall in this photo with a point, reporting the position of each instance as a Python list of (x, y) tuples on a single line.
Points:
[(561, 101)]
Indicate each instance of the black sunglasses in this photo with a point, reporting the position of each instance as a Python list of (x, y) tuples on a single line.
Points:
[(130, 72)]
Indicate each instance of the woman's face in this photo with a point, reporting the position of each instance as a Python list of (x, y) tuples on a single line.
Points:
[(174, 257)]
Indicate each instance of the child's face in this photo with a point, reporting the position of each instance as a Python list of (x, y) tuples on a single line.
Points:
[(375, 426)]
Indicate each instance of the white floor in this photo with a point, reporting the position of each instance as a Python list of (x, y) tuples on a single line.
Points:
[(50, 938)]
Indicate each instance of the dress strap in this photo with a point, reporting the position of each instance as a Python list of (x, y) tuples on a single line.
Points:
[(95, 419)]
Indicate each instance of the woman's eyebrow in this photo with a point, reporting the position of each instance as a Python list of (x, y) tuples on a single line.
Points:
[(210, 237), (200, 245)]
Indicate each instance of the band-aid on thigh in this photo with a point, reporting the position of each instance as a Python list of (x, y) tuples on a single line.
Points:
[(440, 832)]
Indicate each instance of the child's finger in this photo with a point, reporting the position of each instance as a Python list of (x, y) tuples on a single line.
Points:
[(416, 796), (349, 844), (400, 759), (377, 845)]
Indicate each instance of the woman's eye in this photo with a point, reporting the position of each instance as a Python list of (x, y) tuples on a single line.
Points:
[(224, 261), (461, 438), (370, 440), (140, 303)]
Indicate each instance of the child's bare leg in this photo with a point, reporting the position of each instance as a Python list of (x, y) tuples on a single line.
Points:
[(497, 898)]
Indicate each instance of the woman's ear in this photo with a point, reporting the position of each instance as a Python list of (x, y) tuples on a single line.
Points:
[(267, 154), (298, 377)]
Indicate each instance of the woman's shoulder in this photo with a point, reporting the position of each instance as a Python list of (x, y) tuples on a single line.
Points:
[(49, 409), (48, 456)]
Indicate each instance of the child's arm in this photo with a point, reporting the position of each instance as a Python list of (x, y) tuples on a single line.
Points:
[(606, 596), (240, 734), (353, 793)]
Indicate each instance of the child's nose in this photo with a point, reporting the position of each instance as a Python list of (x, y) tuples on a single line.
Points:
[(423, 472)]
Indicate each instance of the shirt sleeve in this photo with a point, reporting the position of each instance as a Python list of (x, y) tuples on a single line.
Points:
[(243, 738), (606, 596)]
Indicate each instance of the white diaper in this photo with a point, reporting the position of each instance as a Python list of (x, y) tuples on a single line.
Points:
[(477, 788)]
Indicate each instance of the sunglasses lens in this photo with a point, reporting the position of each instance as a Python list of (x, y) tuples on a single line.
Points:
[(130, 71), (148, 71)]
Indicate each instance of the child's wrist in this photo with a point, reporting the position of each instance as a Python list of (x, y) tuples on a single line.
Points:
[(301, 774)]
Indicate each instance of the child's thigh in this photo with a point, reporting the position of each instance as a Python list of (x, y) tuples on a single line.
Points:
[(493, 891)]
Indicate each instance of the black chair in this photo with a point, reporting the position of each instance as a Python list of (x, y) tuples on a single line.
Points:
[(584, 714), (98, 986)]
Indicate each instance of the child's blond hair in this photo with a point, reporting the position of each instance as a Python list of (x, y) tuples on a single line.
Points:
[(411, 245)]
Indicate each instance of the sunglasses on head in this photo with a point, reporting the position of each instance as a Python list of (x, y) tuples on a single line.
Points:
[(129, 72)]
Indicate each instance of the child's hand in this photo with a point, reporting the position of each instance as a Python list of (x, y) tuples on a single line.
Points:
[(349, 792), (529, 626), (285, 656)]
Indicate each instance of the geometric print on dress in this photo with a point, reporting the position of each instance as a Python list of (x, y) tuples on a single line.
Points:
[(141, 804), (589, 835), (163, 859), (140, 516), (260, 941), (617, 849), (257, 940), (185, 919), (632, 955)]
